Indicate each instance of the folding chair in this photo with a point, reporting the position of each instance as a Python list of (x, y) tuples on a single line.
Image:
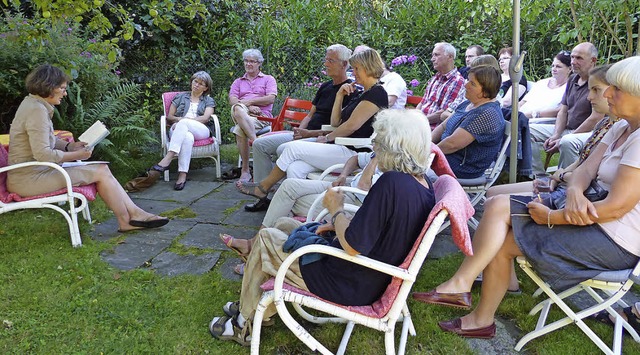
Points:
[(382, 315), (68, 195), (614, 285), (292, 113), (203, 148), (477, 188)]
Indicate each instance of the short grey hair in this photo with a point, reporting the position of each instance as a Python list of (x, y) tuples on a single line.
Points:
[(402, 141), (253, 53), (343, 52), (625, 75), (448, 48)]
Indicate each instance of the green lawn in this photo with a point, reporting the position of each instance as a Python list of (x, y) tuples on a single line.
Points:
[(59, 299)]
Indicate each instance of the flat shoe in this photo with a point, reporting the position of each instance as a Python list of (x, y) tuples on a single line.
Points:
[(456, 300), (455, 326), (261, 205), (179, 186), (149, 223)]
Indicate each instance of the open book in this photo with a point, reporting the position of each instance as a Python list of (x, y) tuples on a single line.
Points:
[(94, 135)]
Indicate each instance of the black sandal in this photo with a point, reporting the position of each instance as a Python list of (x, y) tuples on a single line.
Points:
[(261, 205)]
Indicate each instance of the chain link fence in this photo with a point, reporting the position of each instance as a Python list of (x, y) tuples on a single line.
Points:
[(298, 74)]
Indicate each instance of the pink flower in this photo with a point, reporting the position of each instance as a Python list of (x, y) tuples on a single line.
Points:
[(410, 92), (414, 83)]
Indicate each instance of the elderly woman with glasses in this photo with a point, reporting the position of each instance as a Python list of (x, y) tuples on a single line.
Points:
[(588, 237), (384, 228), (32, 139)]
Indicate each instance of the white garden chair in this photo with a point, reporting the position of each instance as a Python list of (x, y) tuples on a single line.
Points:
[(613, 284), (68, 195), (204, 148), (381, 315), (477, 188)]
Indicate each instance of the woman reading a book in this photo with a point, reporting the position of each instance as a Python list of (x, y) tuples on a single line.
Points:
[(188, 115), (32, 139)]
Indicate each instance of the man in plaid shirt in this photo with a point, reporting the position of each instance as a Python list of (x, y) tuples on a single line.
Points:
[(444, 87)]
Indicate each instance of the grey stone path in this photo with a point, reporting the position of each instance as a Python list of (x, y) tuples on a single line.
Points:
[(218, 208)]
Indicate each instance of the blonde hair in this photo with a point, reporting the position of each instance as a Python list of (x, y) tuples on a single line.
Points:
[(369, 60), (403, 141)]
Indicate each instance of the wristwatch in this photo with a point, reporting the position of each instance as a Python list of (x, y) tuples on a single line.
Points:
[(561, 177)]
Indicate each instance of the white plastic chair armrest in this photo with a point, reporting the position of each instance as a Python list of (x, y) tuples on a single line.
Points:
[(356, 142), (318, 201), (328, 128), (216, 125), (163, 133), (55, 166), (329, 170), (394, 271)]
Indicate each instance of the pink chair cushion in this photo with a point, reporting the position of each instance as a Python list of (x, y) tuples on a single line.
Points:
[(377, 310), (89, 191), (202, 142), (449, 196)]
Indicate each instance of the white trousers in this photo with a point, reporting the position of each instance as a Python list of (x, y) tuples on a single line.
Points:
[(299, 158), (182, 135), (539, 134)]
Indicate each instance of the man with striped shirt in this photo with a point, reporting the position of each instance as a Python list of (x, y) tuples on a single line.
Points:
[(444, 87)]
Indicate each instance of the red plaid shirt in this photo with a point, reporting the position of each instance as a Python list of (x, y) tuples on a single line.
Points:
[(441, 91)]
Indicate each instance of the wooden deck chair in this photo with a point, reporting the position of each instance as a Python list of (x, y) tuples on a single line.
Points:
[(613, 284), (292, 113), (68, 195), (203, 148), (413, 101), (477, 188), (382, 315)]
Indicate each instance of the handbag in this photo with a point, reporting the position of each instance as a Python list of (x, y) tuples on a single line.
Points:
[(142, 182), (595, 192)]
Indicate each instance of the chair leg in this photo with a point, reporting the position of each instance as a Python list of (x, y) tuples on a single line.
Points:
[(166, 174), (345, 338), (265, 301), (389, 342)]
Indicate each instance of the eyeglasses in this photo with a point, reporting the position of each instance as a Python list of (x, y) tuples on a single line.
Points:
[(251, 61), (329, 60), (504, 58)]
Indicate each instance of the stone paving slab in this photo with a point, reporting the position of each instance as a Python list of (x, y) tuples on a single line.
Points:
[(141, 246), (205, 236), (226, 269), (244, 218), (213, 209), (163, 191), (228, 191), (172, 264), (109, 229)]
